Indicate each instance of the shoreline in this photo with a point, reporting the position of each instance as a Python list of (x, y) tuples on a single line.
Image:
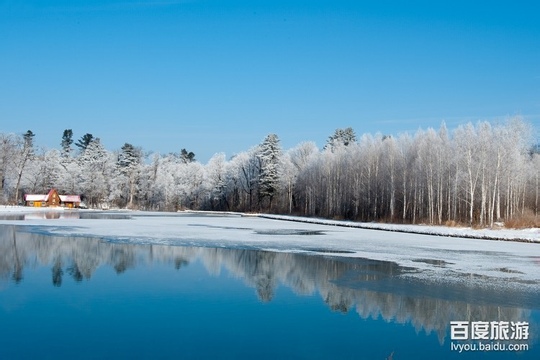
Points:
[(533, 235), (527, 235)]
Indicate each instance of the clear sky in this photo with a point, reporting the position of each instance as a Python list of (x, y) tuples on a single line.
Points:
[(218, 76)]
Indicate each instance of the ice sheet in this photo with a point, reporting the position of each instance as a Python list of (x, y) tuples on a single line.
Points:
[(436, 257)]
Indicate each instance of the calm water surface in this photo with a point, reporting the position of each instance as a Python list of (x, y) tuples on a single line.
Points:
[(73, 297)]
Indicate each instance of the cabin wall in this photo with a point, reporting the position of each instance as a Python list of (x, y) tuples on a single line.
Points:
[(35, 203), (54, 199)]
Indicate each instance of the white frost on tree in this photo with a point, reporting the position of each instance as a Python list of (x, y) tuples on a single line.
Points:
[(270, 159)]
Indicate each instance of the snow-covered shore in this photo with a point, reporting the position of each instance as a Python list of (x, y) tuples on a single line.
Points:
[(501, 234), (521, 235)]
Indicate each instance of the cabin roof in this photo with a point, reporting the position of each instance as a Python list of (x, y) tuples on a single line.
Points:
[(35, 197), (70, 198)]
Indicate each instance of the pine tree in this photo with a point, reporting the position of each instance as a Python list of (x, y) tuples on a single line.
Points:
[(27, 152), (269, 157), (343, 137), (128, 164), (128, 157), (186, 156), (84, 141), (67, 141)]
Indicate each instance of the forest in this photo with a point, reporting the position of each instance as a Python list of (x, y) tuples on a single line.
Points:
[(476, 174)]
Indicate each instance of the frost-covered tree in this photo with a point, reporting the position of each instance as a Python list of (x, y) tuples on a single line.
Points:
[(128, 168), (343, 137), (301, 157), (26, 153), (162, 188), (215, 181), (190, 185), (149, 192), (68, 175), (477, 173), (96, 165), (270, 159), (390, 147), (471, 156), (177, 185), (288, 177), (535, 181), (245, 179), (43, 172), (8, 156)]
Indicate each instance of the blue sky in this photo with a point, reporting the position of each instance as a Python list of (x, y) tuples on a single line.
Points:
[(218, 76)]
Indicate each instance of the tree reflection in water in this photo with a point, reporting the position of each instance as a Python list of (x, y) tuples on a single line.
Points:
[(371, 288)]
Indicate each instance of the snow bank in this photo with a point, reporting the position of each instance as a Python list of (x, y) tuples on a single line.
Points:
[(522, 235)]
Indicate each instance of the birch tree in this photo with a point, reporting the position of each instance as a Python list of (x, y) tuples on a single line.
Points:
[(8, 156)]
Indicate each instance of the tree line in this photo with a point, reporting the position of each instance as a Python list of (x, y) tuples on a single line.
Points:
[(475, 174)]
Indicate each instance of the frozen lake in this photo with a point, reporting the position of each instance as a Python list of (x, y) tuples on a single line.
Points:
[(113, 285)]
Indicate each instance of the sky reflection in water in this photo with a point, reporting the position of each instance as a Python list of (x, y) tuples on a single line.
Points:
[(67, 297)]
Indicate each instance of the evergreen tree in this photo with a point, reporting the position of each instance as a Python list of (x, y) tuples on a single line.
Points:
[(129, 161), (343, 137), (186, 156), (29, 140), (269, 157), (67, 141), (27, 152), (129, 157), (84, 141)]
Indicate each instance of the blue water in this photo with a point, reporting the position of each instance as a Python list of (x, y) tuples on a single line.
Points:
[(67, 298)]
